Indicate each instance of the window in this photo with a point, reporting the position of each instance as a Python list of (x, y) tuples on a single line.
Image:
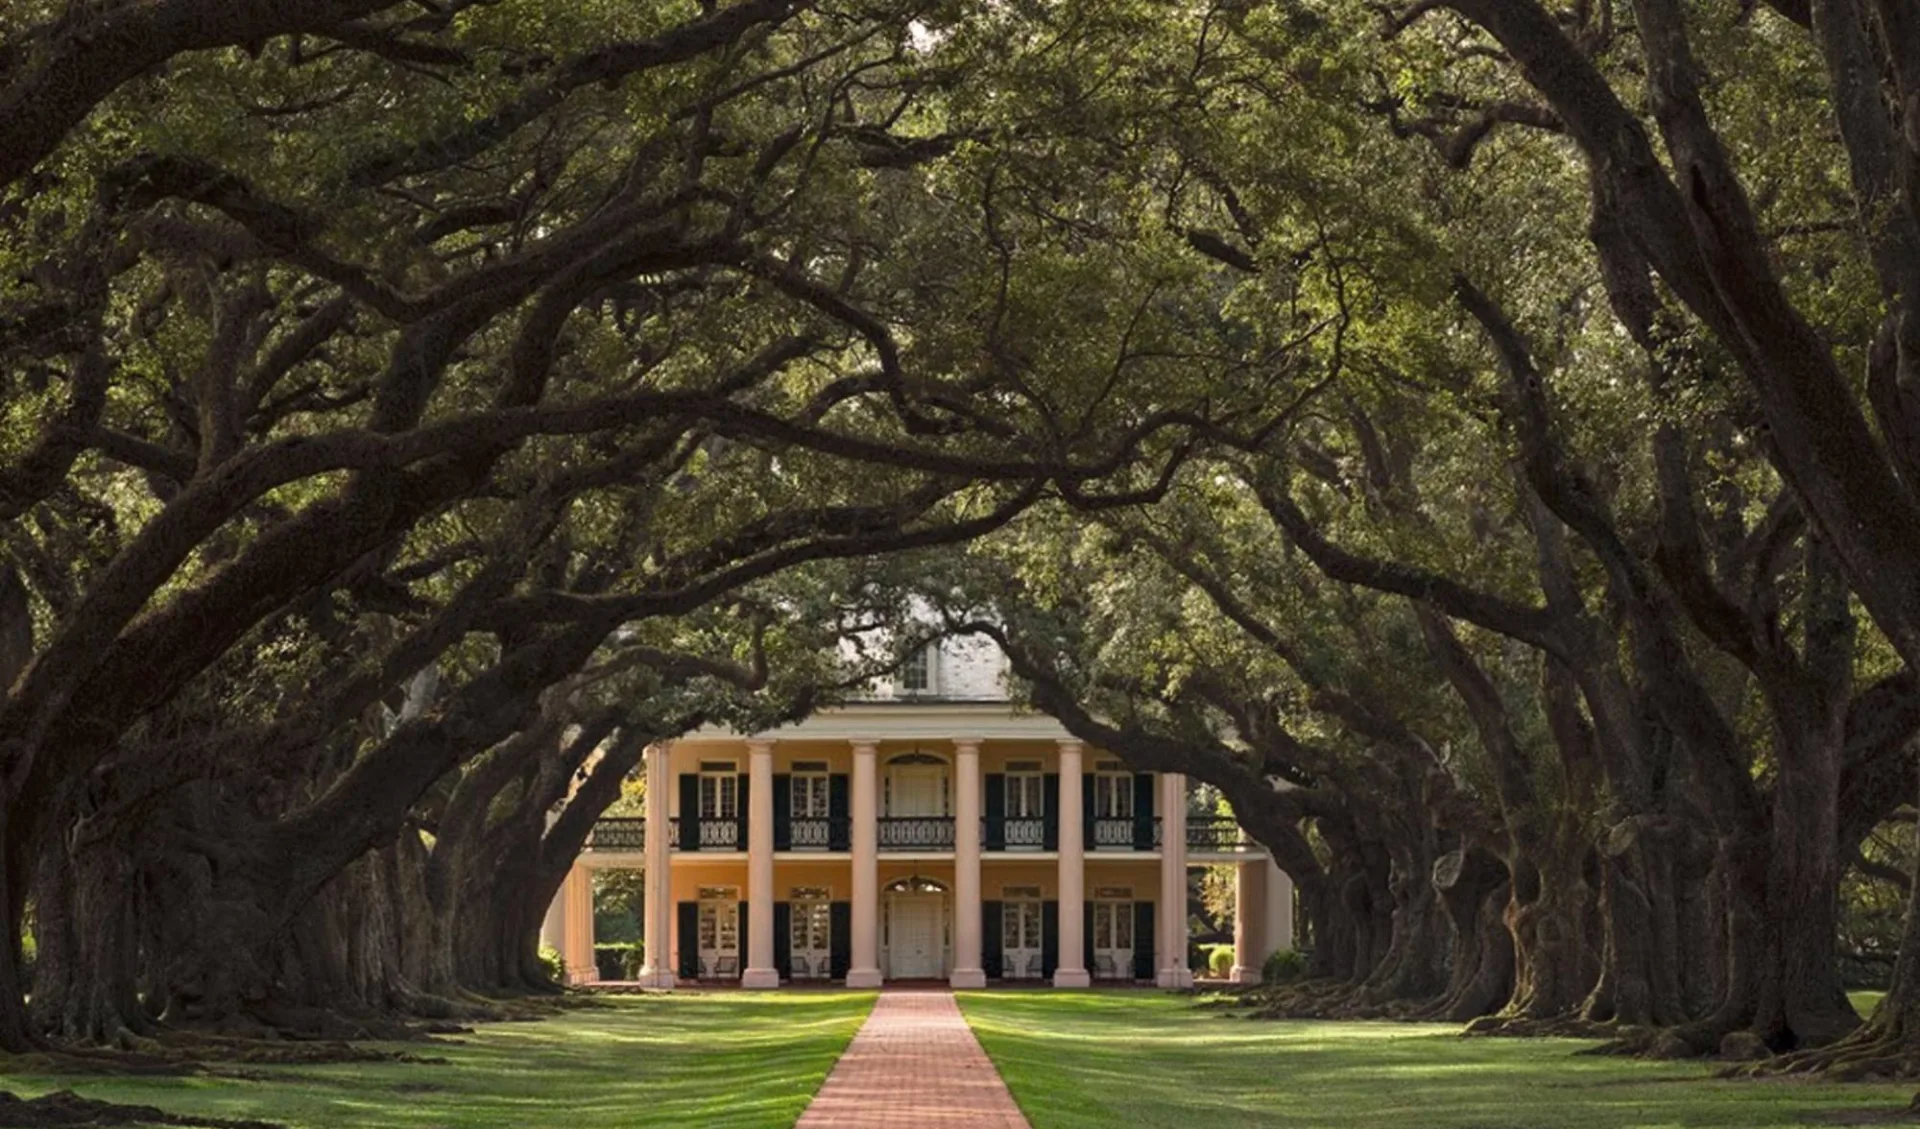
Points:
[(719, 790), (1112, 795), (809, 798), (1113, 927), (1020, 928), (916, 677), (1025, 792)]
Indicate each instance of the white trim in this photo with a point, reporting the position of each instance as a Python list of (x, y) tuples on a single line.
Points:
[(924, 721)]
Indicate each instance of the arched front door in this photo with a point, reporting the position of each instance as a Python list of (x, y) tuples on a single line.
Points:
[(916, 929)]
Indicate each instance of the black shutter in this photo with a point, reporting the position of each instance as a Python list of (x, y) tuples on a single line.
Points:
[(689, 940), (839, 939), (689, 811), (1086, 813), (1050, 800), (992, 956), (744, 802), (837, 809), (1143, 941), (1143, 791), (783, 939), (1086, 934), (746, 946), (1049, 937), (783, 812), (996, 811)]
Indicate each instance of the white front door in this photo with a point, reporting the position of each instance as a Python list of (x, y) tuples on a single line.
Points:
[(913, 939)]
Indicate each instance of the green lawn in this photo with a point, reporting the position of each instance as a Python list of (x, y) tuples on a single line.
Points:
[(729, 1061), (1150, 1061), (1865, 1002)]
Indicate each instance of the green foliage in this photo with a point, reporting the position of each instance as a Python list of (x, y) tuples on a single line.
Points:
[(1220, 961), (554, 963), (619, 960), (1283, 966)]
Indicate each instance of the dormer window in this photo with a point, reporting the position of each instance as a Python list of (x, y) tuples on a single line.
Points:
[(916, 677)]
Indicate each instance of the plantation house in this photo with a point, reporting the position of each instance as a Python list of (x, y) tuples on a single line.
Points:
[(831, 850)]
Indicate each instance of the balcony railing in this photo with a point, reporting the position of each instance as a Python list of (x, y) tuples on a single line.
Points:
[(818, 834), (618, 833), (1112, 834), (916, 833), (720, 834), (1210, 834), (1217, 833)]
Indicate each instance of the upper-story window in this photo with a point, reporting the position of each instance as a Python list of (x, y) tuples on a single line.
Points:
[(1025, 790), (916, 677), (809, 790), (719, 790), (1112, 791)]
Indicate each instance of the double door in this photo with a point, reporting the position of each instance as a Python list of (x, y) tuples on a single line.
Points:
[(1020, 939), (720, 937), (914, 936), (811, 937), (1113, 940)]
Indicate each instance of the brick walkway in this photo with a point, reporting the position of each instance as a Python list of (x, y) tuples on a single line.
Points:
[(914, 1065)]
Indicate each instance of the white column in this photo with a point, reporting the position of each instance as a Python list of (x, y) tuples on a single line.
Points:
[(1173, 971), (1249, 920), (865, 970), (967, 972), (656, 971), (1279, 933), (760, 972), (553, 927), (578, 952), (1071, 971)]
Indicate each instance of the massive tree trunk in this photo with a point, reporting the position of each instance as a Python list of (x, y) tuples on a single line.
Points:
[(1474, 888), (1887, 1044)]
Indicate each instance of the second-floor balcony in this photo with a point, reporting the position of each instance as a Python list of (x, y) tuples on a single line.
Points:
[(618, 833), (1205, 834), (1217, 834), (916, 833)]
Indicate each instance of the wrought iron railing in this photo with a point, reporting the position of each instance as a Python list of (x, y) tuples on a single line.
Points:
[(1212, 834), (719, 834), (618, 833), (916, 833), (820, 834), (1216, 833)]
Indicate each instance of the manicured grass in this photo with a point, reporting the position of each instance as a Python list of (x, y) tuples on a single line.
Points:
[(1865, 1002), (1152, 1061), (721, 1061)]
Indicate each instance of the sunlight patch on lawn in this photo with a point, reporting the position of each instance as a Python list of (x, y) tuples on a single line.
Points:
[(719, 1061), (1079, 1061)]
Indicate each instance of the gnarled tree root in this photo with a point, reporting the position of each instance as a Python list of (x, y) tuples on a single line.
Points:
[(66, 1108), (1875, 1058)]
